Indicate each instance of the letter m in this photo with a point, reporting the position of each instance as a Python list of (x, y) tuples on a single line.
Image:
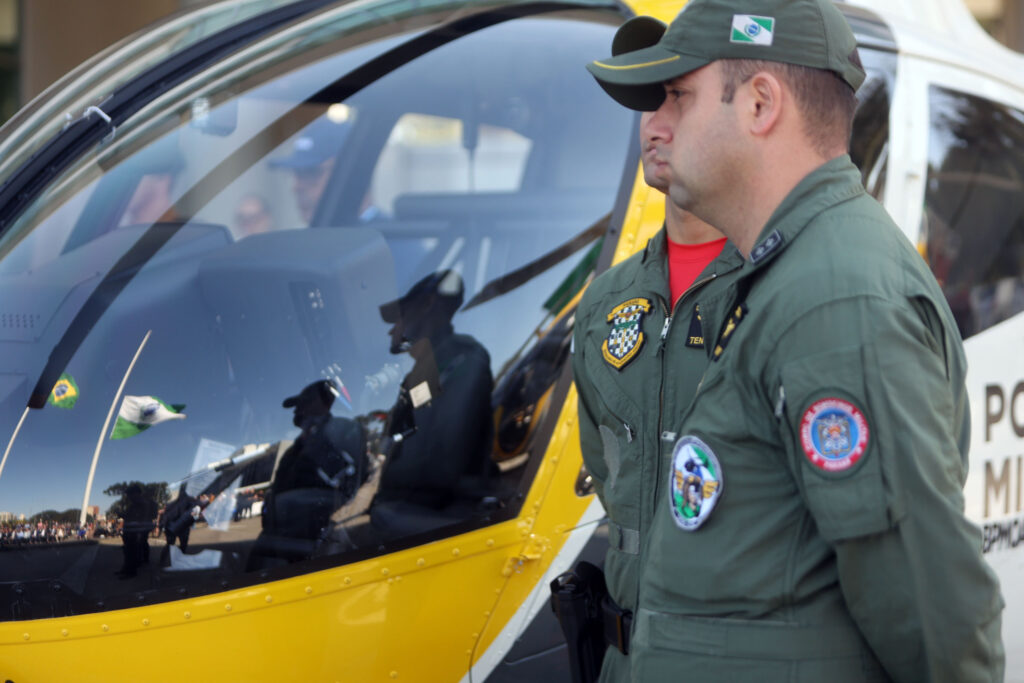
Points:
[(996, 487)]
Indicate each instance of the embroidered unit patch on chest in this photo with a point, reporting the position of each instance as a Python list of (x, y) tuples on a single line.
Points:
[(834, 434), (695, 483), (626, 336)]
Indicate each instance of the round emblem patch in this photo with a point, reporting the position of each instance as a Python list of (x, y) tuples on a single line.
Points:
[(834, 434), (695, 483)]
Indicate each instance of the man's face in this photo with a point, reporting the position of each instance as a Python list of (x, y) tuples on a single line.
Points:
[(151, 199), (399, 343), (308, 186), (252, 217), (656, 128), (702, 152)]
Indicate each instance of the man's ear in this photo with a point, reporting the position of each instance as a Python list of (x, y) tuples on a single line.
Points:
[(765, 98)]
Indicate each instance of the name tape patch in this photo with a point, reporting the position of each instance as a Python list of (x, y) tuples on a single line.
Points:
[(695, 335)]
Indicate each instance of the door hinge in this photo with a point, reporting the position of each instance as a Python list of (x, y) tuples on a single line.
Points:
[(533, 550)]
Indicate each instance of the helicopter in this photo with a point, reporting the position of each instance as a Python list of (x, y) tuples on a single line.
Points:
[(303, 274)]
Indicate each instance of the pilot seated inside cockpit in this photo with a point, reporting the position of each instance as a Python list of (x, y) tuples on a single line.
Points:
[(440, 431)]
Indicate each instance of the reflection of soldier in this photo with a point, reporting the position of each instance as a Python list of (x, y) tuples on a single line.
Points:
[(157, 170), (252, 216), (311, 161), (439, 431), (138, 520), (321, 469), (178, 519)]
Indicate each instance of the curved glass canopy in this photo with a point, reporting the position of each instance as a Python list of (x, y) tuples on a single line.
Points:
[(308, 306)]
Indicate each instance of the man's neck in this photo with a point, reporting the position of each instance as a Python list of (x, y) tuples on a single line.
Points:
[(743, 221), (682, 227)]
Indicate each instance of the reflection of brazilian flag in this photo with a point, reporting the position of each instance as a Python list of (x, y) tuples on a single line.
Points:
[(64, 393)]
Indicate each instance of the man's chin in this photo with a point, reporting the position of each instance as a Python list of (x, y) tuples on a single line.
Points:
[(656, 182)]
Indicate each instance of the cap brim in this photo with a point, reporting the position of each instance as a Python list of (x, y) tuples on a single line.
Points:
[(634, 79), (391, 312), (290, 402), (636, 34)]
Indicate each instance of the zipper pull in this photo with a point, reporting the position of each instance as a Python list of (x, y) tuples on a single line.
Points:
[(664, 333), (629, 433)]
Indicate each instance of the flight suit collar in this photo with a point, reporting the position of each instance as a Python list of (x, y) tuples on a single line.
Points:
[(832, 183), (654, 273)]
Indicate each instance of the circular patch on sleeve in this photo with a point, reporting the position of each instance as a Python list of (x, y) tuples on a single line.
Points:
[(695, 483), (834, 434)]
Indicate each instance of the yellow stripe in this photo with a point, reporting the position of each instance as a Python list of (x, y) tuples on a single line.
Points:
[(637, 66)]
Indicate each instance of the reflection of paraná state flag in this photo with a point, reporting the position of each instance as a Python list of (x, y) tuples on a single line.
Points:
[(139, 413)]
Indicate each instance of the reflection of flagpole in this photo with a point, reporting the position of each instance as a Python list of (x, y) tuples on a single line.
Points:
[(13, 437), (103, 432)]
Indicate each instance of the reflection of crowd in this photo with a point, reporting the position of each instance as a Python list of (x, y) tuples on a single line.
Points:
[(41, 533), (244, 504)]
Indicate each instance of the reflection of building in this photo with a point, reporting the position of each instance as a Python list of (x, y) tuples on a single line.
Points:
[(6, 516), (93, 510)]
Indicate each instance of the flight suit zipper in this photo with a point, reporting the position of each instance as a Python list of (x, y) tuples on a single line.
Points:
[(658, 445), (669, 315)]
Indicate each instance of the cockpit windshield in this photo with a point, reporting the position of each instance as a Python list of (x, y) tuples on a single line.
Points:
[(309, 306)]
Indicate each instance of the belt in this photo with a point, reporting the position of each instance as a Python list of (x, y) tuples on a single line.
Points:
[(749, 638)]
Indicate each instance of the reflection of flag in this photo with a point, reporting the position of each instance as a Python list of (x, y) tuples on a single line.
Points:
[(64, 392), (139, 413), (574, 281)]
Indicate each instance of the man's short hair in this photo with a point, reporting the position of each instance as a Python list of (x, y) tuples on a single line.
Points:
[(826, 101)]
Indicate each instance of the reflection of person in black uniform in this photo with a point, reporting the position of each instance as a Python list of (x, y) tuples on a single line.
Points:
[(138, 521), (177, 519), (316, 475), (439, 431)]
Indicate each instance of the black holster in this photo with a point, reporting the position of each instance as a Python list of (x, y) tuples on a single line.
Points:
[(590, 620)]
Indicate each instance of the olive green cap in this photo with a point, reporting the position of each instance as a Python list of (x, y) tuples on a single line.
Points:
[(810, 33)]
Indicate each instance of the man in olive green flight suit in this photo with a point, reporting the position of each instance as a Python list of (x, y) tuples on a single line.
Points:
[(827, 443), (638, 347)]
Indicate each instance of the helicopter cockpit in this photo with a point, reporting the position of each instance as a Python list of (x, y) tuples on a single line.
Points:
[(397, 213)]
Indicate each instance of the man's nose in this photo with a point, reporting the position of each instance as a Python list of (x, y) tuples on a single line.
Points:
[(657, 124)]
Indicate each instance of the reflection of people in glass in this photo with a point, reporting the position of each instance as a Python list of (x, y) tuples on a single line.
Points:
[(439, 431), (311, 162), (158, 168), (252, 216), (316, 475), (138, 521), (178, 519)]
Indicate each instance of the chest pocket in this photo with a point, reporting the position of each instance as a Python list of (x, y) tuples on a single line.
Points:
[(833, 442), (619, 418)]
